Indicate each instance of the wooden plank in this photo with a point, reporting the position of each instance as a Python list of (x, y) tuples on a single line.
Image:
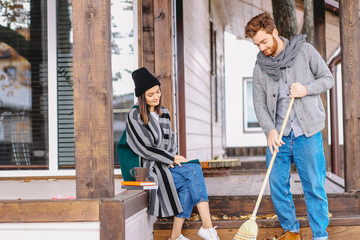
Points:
[(335, 179), (112, 220), (146, 33), (343, 205), (49, 211), (349, 220), (155, 46), (140, 39), (93, 99), (235, 204), (114, 212), (331, 187), (320, 45), (256, 183), (240, 206), (336, 232), (134, 201), (295, 183), (350, 61), (163, 51), (198, 114), (180, 77)]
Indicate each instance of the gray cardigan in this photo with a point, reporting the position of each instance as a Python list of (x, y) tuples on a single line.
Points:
[(310, 70)]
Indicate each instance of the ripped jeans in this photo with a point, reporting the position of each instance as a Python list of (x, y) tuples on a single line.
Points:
[(190, 185)]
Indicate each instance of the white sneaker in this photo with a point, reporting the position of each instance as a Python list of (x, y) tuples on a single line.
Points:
[(181, 237), (208, 234)]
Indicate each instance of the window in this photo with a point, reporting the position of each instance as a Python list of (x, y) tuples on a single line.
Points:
[(251, 123), (65, 97), (36, 79), (23, 85), (213, 65), (123, 63)]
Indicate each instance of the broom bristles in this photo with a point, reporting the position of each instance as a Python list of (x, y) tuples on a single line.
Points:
[(247, 231)]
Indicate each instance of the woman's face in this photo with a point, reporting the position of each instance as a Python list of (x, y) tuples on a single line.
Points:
[(152, 97)]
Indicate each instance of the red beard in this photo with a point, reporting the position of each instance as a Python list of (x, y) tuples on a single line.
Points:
[(271, 50)]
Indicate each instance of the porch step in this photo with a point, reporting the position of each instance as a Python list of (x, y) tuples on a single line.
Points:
[(340, 228), (344, 223), (344, 203), (250, 164)]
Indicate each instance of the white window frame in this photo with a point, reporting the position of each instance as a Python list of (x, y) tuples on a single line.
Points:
[(246, 96), (53, 169)]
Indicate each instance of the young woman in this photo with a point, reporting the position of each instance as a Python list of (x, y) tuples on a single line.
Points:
[(181, 184)]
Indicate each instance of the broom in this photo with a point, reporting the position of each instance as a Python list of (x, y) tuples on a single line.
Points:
[(249, 229)]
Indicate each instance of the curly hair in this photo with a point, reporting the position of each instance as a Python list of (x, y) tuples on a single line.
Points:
[(262, 21)]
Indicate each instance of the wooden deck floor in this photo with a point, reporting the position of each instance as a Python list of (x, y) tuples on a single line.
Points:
[(239, 185), (233, 185)]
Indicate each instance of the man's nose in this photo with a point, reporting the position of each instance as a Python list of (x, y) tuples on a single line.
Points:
[(261, 47)]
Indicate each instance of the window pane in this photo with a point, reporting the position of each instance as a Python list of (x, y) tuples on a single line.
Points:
[(123, 63), (23, 85), (66, 145)]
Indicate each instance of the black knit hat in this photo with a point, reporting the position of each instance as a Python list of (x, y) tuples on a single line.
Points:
[(143, 80)]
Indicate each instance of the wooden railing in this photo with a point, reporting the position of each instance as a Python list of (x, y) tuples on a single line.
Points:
[(111, 213)]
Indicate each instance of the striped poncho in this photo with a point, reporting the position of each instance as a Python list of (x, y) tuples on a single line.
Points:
[(155, 143)]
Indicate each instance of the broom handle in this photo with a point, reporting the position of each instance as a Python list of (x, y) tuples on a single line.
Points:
[(253, 215)]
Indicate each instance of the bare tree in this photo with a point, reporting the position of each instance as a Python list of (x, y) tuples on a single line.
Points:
[(308, 25), (285, 17)]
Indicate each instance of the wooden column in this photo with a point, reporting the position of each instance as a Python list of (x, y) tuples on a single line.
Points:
[(155, 44), (93, 99), (350, 58), (163, 50), (146, 34), (112, 220), (180, 71), (320, 45)]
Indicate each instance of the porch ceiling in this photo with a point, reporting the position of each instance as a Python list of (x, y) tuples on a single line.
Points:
[(236, 13)]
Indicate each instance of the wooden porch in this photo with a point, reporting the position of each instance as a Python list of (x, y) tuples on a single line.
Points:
[(93, 218), (237, 185), (96, 199), (229, 206)]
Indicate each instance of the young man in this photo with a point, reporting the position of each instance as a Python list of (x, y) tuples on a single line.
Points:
[(286, 69)]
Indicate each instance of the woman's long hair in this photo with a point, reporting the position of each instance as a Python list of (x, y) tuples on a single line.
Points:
[(144, 108)]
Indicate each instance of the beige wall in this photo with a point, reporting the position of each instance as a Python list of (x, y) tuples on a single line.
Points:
[(236, 14), (197, 81), (219, 127)]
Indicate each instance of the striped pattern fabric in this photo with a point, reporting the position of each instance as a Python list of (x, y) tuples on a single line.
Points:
[(155, 143)]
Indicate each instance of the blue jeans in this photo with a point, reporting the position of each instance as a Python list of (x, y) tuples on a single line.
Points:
[(190, 185), (308, 155)]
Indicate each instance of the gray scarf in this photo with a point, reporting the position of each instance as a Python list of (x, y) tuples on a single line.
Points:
[(285, 59)]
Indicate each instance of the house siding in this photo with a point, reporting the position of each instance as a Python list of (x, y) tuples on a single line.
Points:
[(201, 141)]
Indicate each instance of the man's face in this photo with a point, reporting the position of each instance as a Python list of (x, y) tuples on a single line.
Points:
[(265, 42)]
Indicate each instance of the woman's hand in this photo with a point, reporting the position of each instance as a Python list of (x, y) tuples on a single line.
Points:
[(178, 159), (273, 141)]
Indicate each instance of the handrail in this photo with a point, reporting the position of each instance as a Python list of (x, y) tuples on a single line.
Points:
[(335, 148)]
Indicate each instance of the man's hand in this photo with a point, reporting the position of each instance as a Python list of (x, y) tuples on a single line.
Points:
[(273, 141), (297, 90), (178, 160)]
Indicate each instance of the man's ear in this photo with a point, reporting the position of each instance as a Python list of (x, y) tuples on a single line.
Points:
[(275, 33)]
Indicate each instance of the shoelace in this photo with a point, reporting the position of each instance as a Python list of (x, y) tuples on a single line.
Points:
[(181, 237), (213, 231)]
